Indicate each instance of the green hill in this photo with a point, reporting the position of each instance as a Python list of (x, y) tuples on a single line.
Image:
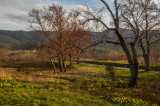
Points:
[(14, 40)]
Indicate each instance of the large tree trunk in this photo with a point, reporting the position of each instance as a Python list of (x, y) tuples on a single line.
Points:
[(133, 65), (134, 77), (131, 54)]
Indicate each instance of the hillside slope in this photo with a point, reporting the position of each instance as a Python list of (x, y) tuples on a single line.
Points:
[(15, 39)]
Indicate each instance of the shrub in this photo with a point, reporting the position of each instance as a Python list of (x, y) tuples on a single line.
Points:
[(111, 72)]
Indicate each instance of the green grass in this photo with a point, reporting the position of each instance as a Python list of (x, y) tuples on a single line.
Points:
[(118, 64), (148, 87), (83, 85), (15, 92)]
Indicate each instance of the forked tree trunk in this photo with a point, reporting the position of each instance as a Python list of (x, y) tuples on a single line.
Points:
[(132, 61), (133, 68)]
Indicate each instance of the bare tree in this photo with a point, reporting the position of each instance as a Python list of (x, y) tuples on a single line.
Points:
[(59, 32), (129, 47), (51, 24), (150, 30), (78, 37)]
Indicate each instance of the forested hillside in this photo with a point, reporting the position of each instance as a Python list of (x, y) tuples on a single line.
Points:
[(15, 39)]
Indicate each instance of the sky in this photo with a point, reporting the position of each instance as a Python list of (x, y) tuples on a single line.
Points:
[(14, 13)]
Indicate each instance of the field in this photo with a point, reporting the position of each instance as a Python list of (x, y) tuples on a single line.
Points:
[(80, 53), (86, 85), (120, 64)]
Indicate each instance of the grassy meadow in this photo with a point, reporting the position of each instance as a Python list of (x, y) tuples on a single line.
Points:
[(34, 84), (119, 64)]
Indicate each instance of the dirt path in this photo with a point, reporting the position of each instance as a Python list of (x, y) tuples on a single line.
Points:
[(11, 72)]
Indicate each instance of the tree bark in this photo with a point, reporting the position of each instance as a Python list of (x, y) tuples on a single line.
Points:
[(146, 55), (132, 59), (61, 64), (134, 74), (134, 77), (133, 67), (147, 62), (54, 68)]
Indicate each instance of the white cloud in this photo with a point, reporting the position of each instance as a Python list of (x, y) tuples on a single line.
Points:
[(156, 1), (14, 13), (72, 7), (8, 24)]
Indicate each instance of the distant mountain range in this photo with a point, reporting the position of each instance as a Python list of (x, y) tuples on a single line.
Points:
[(20, 40), (15, 39)]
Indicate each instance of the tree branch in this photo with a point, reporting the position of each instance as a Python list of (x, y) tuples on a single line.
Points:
[(98, 20), (155, 41), (108, 8), (97, 43)]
